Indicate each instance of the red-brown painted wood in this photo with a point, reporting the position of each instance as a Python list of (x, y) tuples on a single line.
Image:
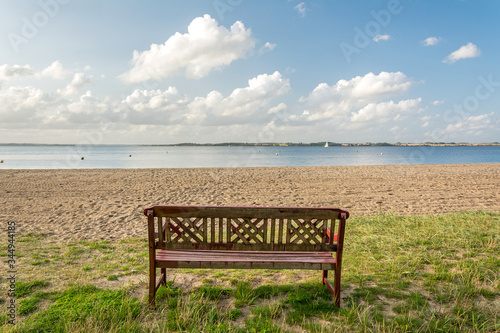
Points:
[(245, 238)]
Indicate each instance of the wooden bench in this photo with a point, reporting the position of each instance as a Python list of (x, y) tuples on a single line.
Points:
[(245, 238)]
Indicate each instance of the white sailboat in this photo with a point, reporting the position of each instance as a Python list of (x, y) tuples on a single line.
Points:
[(326, 144)]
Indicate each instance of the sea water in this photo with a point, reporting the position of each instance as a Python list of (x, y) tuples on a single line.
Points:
[(127, 157)]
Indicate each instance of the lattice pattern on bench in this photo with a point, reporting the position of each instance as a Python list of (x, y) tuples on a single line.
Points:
[(240, 233)]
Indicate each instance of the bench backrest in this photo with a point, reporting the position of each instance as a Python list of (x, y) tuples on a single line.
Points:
[(246, 228)]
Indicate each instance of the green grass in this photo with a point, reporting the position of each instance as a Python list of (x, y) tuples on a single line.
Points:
[(400, 274), (87, 306), (26, 288)]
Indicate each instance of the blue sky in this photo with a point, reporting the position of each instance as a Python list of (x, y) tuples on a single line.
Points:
[(160, 72)]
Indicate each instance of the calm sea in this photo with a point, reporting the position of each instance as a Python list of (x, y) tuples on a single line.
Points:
[(70, 157)]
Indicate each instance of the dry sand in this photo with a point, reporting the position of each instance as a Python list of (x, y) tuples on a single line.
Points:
[(108, 203)]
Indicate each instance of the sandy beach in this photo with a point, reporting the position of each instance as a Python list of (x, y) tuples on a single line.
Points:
[(108, 203)]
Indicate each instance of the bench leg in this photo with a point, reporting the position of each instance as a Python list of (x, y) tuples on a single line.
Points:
[(335, 289), (152, 285), (164, 276), (152, 255)]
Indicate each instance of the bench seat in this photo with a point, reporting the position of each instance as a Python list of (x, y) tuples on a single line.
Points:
[(244, 259)]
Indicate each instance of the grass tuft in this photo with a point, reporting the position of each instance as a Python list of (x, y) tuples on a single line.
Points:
[(26, 288)]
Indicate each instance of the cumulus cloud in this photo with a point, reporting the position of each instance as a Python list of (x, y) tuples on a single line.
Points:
[(205, 47), (370, 86), (158, 107), (21, 104), (360, 98), (426, 121), (86, 109), (430, 41), (143, 100), (55, 71), (267, 47), (242, 106), (467, 51), (278, 108), (88, 103), (79, 81), (242, 102), (7, 72), (31, 107), (247, 106), (473, 125), (301, 9), (379, 38), (385, 111)]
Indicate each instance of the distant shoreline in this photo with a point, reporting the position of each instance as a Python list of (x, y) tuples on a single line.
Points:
[(276, 144)]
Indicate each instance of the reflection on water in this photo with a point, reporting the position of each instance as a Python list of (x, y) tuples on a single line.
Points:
[(70, 157)]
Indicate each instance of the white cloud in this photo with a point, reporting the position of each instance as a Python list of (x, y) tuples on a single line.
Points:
[(473, 125), (249, 106), (301, 9), (55, 71), (426, 121), (86, 111), (467, 51), (21, 104), (242, 102), (7, 72), (88, 104), (437, 102), (278, 108), (267, 47), (395, 129), (346, 97), (430, 41), (369, 85), (79, 81), (143, 100), (379, 38), (386, 111), (31, 107), (205, 47), (18, 98), (152, 107)]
